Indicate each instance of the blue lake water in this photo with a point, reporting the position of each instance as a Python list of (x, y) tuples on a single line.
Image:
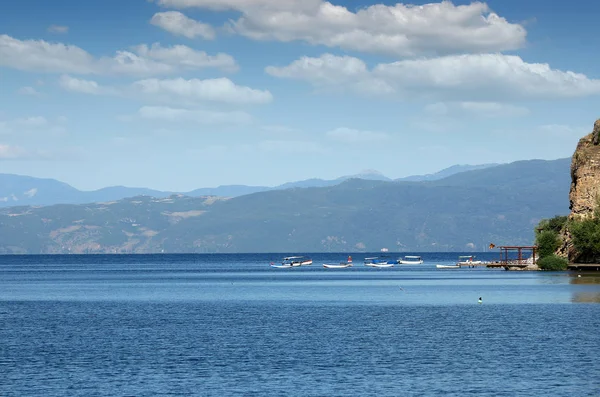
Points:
[(215, 325)]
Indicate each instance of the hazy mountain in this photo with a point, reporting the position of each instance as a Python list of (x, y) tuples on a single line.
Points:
[(464, 212), (455, 169), (25, 190)]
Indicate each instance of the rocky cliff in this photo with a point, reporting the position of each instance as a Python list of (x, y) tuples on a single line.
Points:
[(584, 196)]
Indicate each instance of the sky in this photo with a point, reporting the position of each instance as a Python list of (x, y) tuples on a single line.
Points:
[(182, 94)]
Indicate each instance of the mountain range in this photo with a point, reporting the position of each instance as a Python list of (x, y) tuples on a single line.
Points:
[(26, 190), (462, 212)]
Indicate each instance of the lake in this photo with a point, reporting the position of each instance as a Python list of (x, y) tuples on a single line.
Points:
[(228, 324)]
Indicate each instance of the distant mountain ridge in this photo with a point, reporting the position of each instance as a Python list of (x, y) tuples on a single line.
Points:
[(462, 212), (455, 169), (26, 190)]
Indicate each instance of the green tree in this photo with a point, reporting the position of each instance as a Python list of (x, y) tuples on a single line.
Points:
[(586, 239), (553, 262), (547, 242)]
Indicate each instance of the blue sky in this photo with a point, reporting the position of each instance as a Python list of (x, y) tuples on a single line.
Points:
[(182, 94)]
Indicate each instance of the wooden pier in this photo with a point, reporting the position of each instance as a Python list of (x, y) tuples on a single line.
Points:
[(520, 262), (593, 267)]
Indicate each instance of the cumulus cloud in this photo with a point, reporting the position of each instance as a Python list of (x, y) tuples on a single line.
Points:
[(58, 29), (73, 84), (349, 135), (28, 91), (482, 109), (33, 125), (8, 152), (193, 91), (397, 30), (180, 56), (177, 115), (333, 72), (31, 122), (214, 90), (43, 56), (477, 77), (178, 24)]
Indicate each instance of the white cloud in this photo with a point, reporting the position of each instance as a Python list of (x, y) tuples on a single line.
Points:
[(334, 73), (563, 131), (181, 91), (73, 84), (180, 56), (42, 56), (349, 135), (8, 152), (176, 115), (178, 24), (478, 78), (58, 29), (399, 30), (28, 91), (482, 109), (31, 122), (215, 90)]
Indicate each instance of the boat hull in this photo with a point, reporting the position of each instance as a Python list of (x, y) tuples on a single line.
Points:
[(282, 266), (336, 266), (447, 266), (402, 262), (379, 264)]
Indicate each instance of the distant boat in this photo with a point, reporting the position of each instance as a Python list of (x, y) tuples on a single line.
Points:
[(410, 260), (468, 260), (448, 266), (293, 261), (340, 265), (377, 261)]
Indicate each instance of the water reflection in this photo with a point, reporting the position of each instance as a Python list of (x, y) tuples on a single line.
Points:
[(586, 297), (585, 278)]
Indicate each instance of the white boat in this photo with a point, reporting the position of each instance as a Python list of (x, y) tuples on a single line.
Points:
[(342, 265), (293, 261), (448, 266), (468, 260), (410, 260), (378, 262)]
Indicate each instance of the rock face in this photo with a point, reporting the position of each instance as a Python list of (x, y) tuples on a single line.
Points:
[(584, 196), (585, 175)]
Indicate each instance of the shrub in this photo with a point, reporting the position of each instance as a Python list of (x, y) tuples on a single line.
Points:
[(553, 262), (547, 242), (586, 239)]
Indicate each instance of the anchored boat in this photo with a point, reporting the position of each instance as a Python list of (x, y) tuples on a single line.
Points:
[(377, 261), (293, 261), (341, 265), (410, 260)]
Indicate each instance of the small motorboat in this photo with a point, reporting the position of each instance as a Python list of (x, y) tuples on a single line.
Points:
[(377, 261), (293, 261), (283, 266), (468, 260), (448, 266), (341, 265), (410, 260)]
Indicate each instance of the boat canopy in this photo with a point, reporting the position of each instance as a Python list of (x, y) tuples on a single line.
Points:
[(412, 257), (287, 258), (466, 256)]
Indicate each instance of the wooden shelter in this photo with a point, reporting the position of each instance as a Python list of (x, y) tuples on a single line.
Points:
[(520, 261)]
